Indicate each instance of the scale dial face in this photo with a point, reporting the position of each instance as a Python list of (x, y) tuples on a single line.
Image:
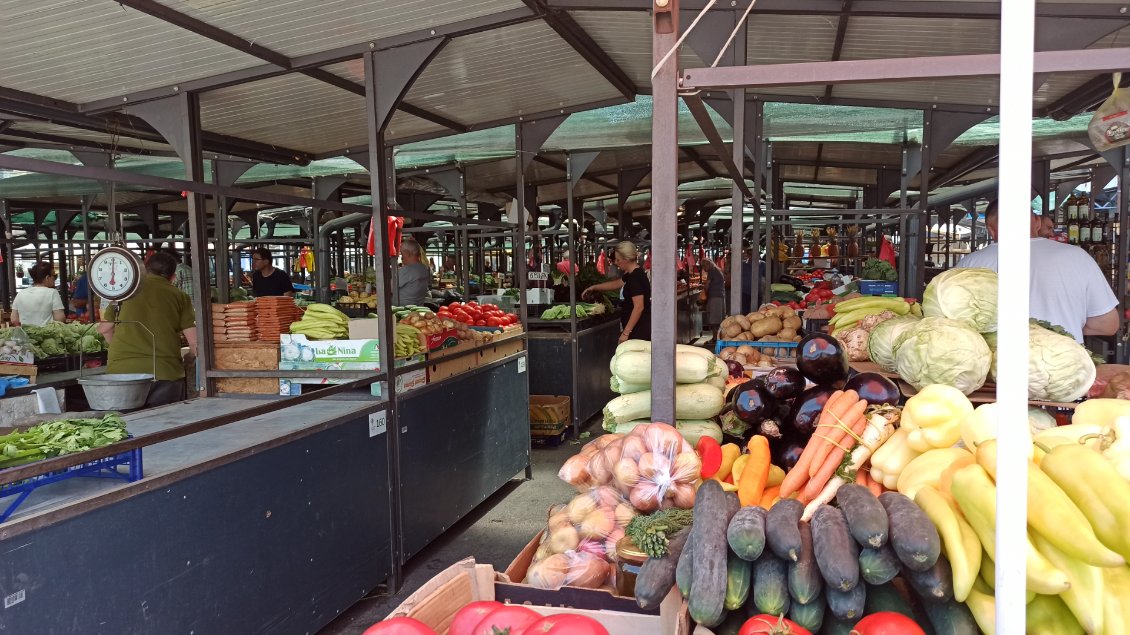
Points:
[(115, 273)]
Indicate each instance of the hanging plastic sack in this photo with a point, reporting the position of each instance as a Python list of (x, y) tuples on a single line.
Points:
[(601, 263), (1110, 125)]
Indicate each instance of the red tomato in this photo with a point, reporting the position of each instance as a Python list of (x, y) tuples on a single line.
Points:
[(887, 623), (566, 624), (399, 626), (493, 321), (455, 305), (480, 322), (512, 616), (772, 624), (473, 303), (469, 617)]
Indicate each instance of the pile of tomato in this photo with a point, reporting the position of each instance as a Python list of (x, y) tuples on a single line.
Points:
[(475, 314)]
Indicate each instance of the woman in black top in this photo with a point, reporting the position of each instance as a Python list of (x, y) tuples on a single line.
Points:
[(715, 294), (635, 294)]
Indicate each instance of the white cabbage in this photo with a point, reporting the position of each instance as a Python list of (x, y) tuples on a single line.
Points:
[(965, 294), (942, 351), (881, 345)]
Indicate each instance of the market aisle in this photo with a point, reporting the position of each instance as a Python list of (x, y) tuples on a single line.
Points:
[(494, 533)]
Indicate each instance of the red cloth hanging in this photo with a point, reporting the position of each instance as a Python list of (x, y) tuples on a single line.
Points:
[(395, 237), (887, 252), (647, 262), (601, 263)]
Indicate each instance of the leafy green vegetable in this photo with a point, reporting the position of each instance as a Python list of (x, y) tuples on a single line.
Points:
[(55, 438), (875, 269), (58, 338), (561, 311), (651, 533)]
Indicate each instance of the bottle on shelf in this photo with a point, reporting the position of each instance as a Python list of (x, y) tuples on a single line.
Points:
[(1073, 228), (1072, 205), (1061, 214)]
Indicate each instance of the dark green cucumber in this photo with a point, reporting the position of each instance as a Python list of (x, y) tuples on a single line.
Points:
[(732, 625), (770, 586), (935, 584), (879, 566), (866, 518), (951, 618), (847, 605), (835, 626), (746, 533), (805, 582), (685, 567), (657, 575), (811, 615), (712, 512), (885, 598), (739, 574), (837, 555), (782, 529), (913, 535)]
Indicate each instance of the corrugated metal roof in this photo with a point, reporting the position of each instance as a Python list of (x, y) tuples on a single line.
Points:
[(882, 37), (299, 27), (784, 39), (292, 110), (975, 91), (124, 143), (508, 72), (626, 37), (81, 50)]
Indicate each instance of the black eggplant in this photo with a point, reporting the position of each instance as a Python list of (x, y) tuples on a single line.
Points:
[(874, 388), (822, 360), (752, 403), (784, 382), (735, 369), (807, 408), (786, 451)]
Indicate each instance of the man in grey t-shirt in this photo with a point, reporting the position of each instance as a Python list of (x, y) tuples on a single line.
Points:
[(413, 277)]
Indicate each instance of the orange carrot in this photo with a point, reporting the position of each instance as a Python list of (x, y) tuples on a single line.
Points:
[(874, 485), (756, 472), (838, 424), (832, 462), (861, 478), (797, 476), (771, 494)]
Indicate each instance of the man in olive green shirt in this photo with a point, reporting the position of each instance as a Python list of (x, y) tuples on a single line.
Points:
[(167, 312)]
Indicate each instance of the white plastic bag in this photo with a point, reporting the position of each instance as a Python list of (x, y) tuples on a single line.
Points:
[(1110, 125)]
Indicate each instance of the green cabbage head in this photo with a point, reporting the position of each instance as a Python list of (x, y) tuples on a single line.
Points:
[(965, 294), (881, 345), (1059, 368), (943, 351)]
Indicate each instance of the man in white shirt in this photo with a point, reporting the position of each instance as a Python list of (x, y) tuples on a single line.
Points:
[(1066, 286)]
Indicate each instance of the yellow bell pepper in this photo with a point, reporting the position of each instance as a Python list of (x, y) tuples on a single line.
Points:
[(934, 468), (891, 458), (934, 417), (1100, 412), (730, 453)]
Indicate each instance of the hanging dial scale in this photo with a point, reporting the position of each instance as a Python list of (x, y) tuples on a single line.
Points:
[(115, 273)]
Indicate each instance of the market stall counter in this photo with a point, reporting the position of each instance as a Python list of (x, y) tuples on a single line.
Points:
[(551, 361), (222, 516)]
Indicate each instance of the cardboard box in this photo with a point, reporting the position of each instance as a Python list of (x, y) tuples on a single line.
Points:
[(364, 329), (442, 368), (502, 348), (436, 603), (246, 356), (296, 352)]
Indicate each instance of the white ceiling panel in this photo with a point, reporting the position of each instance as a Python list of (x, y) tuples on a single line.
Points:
[(506, 73), (299, 27), (880, 37), (83, 50), (626, 37), (292, 111)]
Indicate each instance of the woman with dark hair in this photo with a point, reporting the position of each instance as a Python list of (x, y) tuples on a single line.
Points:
[(715, 295), (40, 303)]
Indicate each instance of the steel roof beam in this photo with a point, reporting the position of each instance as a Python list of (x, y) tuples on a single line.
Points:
[(575, 36), (693, 155), (315, 60), (875, 8), (1082, 99), (561, 166), (897, 69)]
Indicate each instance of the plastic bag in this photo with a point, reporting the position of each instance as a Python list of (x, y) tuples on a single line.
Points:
[(653, 466), (580, 540), (1110, 125)]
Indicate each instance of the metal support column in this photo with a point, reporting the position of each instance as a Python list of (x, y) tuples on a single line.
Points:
[(225, 174), (1123, 209), (760, 152), (664, 207), (7, 282)]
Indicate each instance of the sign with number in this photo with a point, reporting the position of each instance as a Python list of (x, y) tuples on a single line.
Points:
[(538, 275)]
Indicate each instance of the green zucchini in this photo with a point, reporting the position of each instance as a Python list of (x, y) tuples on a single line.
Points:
[(746, 533), (811, 615), (770, 586), (878, 566), (885, 598), (837, 555), (782, 529), (712, 511), (847, 605), (685, 567), (935, 584), (913, 536), (657, 575), (951, 618), (866, 518), (805, 582), (738, 575)]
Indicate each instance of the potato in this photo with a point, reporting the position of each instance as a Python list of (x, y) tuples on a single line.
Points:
[(767, 326), (741, 359), (726, 322), (745, 350), (743, 321), (769, 338), (745, 336), (796, 338), (753, 317), (786, 334), (791, 322), (753, 357), (785, 311), (726, 354), (732, 330)]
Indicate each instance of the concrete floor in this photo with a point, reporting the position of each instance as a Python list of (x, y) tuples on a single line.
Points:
[(493, 533)]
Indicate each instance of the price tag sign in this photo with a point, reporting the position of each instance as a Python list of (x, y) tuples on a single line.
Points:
[(378, 423), (521, 365), (538, 275)]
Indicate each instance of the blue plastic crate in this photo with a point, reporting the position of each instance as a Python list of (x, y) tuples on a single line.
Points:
[(779, 350), (106, 467), (878, 287)]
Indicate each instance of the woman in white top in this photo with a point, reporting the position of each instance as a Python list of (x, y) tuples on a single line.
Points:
[(37, 305)]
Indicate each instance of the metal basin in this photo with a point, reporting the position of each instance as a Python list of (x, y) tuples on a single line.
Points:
[(123, 391)]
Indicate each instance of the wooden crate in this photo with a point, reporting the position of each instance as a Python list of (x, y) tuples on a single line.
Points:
[(247, 356)]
